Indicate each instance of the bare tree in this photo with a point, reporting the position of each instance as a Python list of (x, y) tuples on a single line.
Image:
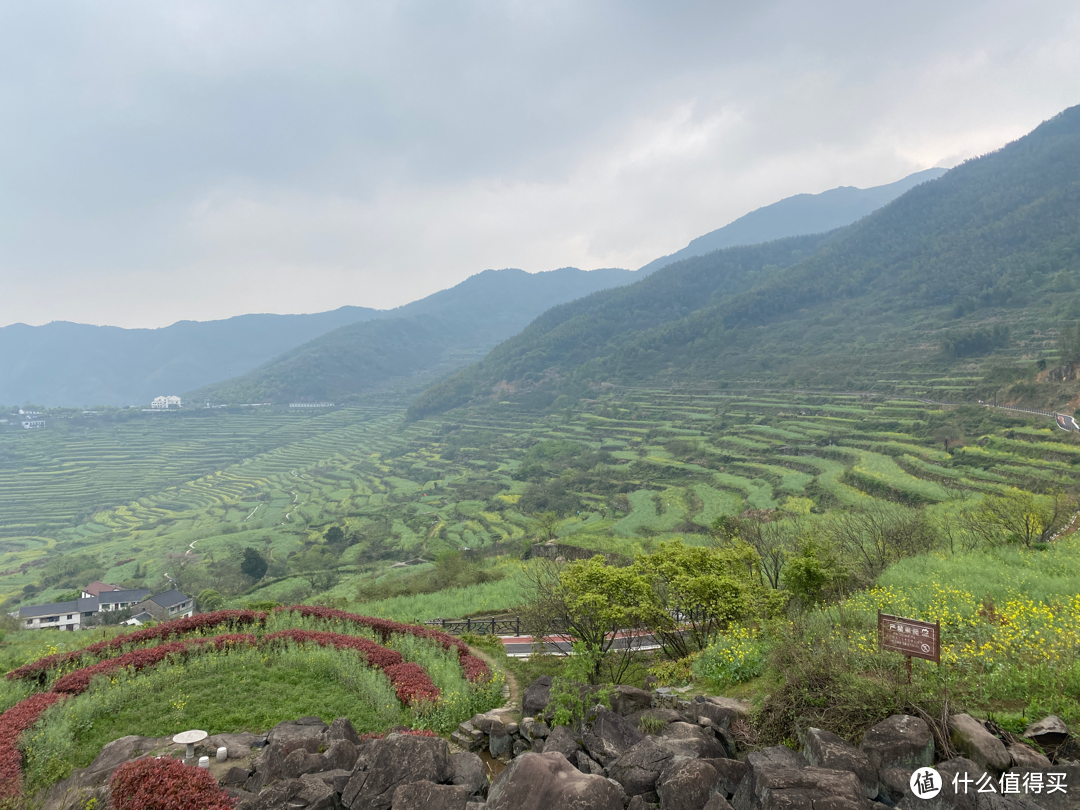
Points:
[(1019, 518), (876, 536)]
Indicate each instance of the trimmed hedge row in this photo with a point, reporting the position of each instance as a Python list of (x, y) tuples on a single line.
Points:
[(165, 784), (474, 669), (13, 723)]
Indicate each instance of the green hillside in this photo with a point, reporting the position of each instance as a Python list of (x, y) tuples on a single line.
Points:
[(434, 335), (918, 287)]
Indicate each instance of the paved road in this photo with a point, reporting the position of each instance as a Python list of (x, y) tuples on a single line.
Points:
[(522, 646)]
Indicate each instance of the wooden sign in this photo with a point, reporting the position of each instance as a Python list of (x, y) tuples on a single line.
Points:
[(910, 637)]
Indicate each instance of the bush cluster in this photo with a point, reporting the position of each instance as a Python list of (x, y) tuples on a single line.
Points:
[(165, 784), (14, 722)]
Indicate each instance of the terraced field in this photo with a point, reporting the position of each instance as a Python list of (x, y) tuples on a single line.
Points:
[(623, 471)]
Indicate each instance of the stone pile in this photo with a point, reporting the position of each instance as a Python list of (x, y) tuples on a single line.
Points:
[(649, 751)]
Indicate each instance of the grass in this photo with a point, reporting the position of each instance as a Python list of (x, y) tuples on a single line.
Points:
[(244, 690)]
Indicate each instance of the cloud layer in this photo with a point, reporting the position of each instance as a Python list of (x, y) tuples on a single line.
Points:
[(201, 159)]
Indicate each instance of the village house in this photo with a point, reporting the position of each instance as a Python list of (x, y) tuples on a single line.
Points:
[(101, 597), (169, 605)]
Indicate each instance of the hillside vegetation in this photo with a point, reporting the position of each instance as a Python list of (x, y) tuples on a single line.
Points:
[(995, 241)]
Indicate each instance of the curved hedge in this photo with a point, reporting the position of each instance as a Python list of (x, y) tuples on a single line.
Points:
[(165, 784)]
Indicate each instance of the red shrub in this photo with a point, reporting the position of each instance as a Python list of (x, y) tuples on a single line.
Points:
[(165, 784), (176, 627), (14, 722), (474, 669), (412, 684)]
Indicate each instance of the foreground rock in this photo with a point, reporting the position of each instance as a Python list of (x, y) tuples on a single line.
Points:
[(384, 765), (547, 781), (823, 749), (973, 741), (901, 741)]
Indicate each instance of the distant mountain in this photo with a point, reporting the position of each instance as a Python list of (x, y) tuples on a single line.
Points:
[(798, 215), (72, 364), (985, 258), (440, 333)]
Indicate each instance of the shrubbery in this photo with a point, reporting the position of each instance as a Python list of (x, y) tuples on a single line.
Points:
[(165, 784)]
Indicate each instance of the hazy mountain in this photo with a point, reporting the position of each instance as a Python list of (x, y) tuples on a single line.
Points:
[(794, 216), (992, 245), (74, 364), (442, 332)]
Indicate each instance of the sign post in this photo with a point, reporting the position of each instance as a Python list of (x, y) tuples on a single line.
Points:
[(910, 637)]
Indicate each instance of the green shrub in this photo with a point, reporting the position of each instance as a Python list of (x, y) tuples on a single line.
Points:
[(733, 658)]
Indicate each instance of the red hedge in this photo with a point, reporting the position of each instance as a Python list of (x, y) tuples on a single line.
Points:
[(13, 723), (474, 669), (176, 627), (166, 784)]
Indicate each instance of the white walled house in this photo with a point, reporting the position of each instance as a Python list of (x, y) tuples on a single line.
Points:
[(165, 403), (71, 615), (58, 616)]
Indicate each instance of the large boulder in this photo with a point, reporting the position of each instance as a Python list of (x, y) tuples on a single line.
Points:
[(562, 740), (625, 700), (467, 770), (973, 741), (237, 745), (342, 729), (776, 756), (300, 762), (309, 793), (720, 710), (730, 773), (606, 735), (92, 782), (694, 740), (900, 741), (341, 755), (1024, 756), (638, 769), (769, 788), (1049, 733), (659, 716), (398, 759), (536, 697), (426, 795), (292, 735), (545, 781), (717, 802), (686, 785), (823, 749)]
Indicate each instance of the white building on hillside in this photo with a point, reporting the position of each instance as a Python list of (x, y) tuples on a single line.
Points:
[(165, 403)]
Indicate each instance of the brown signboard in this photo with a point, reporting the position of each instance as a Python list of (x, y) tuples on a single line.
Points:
[(909, 637)]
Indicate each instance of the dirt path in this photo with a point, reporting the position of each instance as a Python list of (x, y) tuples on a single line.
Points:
[(511, 681)]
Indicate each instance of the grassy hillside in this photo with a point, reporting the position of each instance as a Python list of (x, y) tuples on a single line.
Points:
[(919, 286), (437, 334)]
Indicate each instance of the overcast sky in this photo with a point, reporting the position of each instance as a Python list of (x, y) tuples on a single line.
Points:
[(195, 160)]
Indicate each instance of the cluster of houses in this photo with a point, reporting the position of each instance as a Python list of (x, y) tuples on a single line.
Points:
[(30, 420), (166, 403), (101, 597)]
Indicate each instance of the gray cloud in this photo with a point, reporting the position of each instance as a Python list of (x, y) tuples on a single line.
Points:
[(203, 159)]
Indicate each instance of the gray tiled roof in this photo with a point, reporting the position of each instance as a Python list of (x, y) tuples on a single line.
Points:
[(169, 598), (54, 609), (116, 597)]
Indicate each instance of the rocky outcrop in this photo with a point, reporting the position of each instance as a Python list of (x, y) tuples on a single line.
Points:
[(686, 785), (543, 781), (537, 697), (972, 740), (823, 749), (399, 759), (426, 795), (899, 741)]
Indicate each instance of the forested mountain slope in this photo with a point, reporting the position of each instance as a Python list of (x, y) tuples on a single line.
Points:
[(443, 331), (993, 243), (74, 364), (794, 216)]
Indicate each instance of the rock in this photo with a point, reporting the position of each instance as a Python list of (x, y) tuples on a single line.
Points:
[(342, 729), (533, 729), (1027, 758), (520, 747), (776, 756), (585, 764), (894, 784), (312, 721), (899, 741), (337, 779), (300, 762), (626, 700), (973, 741), (660, 713), (341, 755), (426, 795), (730, 773), (545, 781), (293, 736), (310, 793), (720, 710), (317, 793), (638, 803), (607, 735), (561, 741), (638, 769), (771, 788), (238, 745), (270, 765), (717, 802), (948, 799), (686, 785), (398, 759), (694, 741), (499, 743), (467, 770), (537, 697), (92, 781), (235, 776), (823, 749), (1049, 732)]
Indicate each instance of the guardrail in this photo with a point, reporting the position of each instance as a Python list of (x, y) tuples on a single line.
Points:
[(491, 626)]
